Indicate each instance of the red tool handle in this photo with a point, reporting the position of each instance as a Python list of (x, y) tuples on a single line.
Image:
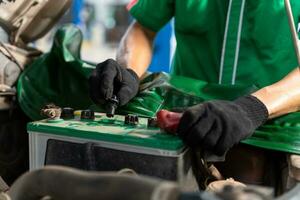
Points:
[(168, 121)]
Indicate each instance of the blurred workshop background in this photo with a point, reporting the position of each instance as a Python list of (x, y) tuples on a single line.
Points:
[(103, 22)]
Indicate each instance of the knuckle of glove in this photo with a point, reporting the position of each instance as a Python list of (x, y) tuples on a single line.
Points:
[(109, 63), (129, 86), (207, 130), (107, 67), (125, 94), (133, 77), (190, 118)]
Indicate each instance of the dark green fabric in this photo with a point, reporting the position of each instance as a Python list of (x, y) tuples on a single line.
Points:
[(266, 50), (60, 76)]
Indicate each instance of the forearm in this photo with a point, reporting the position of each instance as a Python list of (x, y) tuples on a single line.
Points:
[(282, 97), (135, 51)]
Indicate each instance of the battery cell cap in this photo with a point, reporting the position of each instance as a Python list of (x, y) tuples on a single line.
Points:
[(67, 113), (131, 119), (87, 114)]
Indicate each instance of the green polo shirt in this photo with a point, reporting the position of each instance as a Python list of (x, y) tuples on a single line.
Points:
[(225, 41)]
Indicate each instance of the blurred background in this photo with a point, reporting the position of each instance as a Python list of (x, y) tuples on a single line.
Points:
[(103, 22)]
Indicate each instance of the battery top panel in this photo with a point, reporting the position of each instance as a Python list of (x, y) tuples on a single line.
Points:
[(131, 130)]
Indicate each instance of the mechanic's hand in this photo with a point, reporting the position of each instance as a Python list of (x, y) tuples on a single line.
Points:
[(218, 125), (110, 78)]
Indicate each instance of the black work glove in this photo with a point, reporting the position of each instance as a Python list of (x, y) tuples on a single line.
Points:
[(108, 79), (218, 125)]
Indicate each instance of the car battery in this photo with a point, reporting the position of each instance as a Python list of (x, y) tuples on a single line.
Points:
[(95, 142)]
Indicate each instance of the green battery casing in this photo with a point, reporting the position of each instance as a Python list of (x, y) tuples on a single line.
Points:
[(109, 130)]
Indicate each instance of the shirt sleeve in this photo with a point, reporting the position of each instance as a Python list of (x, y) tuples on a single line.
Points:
[(153, 14)]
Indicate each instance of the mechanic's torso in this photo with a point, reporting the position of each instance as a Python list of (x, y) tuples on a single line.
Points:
[(257, 48)]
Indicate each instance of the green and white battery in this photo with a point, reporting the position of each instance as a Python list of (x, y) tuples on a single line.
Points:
[(145, 150)]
